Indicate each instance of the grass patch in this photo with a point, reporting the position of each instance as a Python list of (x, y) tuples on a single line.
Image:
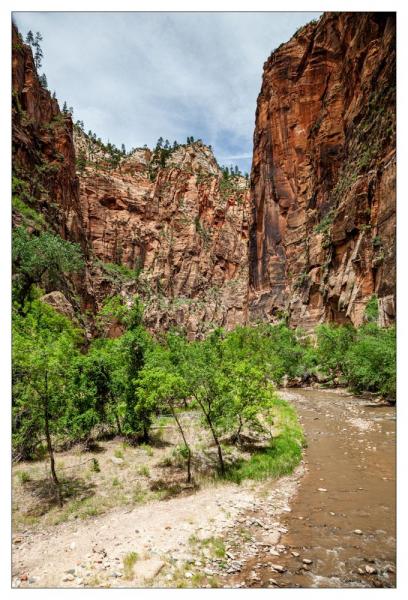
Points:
[(95, 468), (29, 215), (143, 471), (139, 494), (283, 454), (148, 449), (128, 563), (118, 454), (23, 476), (215, 545)]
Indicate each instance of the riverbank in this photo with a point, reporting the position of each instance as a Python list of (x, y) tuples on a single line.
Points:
[(329, 524)]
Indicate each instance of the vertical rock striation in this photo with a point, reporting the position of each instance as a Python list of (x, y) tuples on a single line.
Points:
[(322, 237), (314, 237), (181, 228)]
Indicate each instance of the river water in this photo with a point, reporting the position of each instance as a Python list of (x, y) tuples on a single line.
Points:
[(343, 517)]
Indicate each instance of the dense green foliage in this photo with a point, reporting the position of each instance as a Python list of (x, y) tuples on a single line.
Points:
[(365, 357), (41, 259), (66, 390)]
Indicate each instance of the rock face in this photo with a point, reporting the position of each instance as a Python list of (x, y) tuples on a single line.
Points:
[(322, 238), (314, 237), (43, 149), (181, 228)]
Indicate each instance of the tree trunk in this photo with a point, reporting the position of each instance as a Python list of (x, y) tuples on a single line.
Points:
[(115, 412), (119, 428), (185, 443), (217, 443), (49, 443), (145, 435), (238, 434)]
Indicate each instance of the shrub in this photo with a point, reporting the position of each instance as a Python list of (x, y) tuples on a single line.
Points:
[(333, 341), (370, 363)]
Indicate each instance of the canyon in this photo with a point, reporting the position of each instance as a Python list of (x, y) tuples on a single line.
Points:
[(309, 238)]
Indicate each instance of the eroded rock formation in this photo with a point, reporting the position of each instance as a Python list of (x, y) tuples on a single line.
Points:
[(182, 229), (314, 237), (322, 238)]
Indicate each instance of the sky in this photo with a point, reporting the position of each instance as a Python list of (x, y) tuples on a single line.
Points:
[(134, 77)]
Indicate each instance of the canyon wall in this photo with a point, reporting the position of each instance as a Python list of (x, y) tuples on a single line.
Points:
[(43, 151), (181, 229), (312, 240), (322, 237), (174, 231)]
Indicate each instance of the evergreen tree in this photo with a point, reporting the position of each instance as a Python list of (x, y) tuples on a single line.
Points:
[(29, 38), (65, 108), (38, 55), (123, 149), (43, 81)]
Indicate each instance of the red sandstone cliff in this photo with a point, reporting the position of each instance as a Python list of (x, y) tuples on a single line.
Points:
[(183, 230), (43, 150), (322, 229), (322, 235), (177, 234)]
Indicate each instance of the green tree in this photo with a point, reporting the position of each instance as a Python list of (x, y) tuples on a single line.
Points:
[(43, 81), (81, 161), (133, 345), (370, 361), (208, 385), (333, 342), (160, 387), (38, 54), (44, 347), (29, 38), (43, 258), (249, 398)]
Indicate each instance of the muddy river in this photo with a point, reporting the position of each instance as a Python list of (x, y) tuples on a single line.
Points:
[(341, 528)]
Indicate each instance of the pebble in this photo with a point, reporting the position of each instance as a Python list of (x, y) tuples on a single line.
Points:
[(321, 490), (358, 532), (188, 574), (370, 570), (278, 568), (295, 554), (68, 578), (307, 561), (273, 581)]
